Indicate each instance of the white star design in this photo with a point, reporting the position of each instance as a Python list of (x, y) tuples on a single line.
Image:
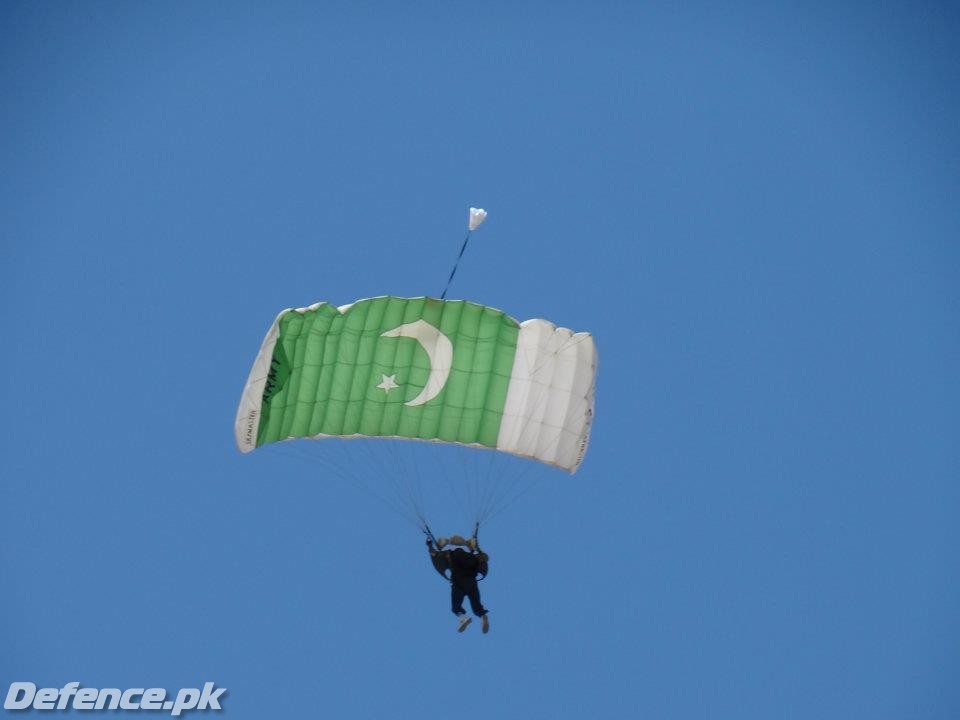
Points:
[(388, 383)]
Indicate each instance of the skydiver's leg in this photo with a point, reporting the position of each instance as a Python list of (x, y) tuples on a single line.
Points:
[(473, 593), (456, 599), (456, 602)]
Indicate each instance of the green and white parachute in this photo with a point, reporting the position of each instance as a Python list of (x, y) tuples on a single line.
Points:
[(447, 371)]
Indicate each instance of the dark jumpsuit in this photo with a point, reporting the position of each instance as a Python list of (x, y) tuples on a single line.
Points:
[(463, 567)]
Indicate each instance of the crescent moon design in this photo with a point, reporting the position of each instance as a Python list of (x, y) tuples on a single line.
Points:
[(438, 348)]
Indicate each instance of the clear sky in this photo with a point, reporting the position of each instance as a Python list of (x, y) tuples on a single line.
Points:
[(755, 209)]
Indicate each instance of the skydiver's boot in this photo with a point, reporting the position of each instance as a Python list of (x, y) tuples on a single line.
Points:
[(485, 623), (463, 621)]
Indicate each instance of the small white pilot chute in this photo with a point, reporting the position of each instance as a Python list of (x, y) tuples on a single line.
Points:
[(477, 216)]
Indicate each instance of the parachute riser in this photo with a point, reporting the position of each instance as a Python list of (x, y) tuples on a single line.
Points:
[(476, 544), (429, 533)]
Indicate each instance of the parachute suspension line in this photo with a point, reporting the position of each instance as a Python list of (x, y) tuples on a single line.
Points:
[(342, 471), (451, 485), (468, 481), (418, 484), (491, 481), (386, 465), (490, 484), (504, 484), (377, 468), (507, 488), (507, 501), (417, 475), (487, 482), (382, 469), (499, 479), (475, 482), (406, 471), (516, 490)]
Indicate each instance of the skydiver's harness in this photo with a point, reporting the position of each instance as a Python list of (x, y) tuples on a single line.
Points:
[(429, 533)]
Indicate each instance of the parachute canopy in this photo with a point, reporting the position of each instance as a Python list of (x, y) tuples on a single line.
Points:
[(423, 369)]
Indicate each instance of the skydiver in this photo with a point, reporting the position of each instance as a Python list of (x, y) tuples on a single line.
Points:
[(464, 567)]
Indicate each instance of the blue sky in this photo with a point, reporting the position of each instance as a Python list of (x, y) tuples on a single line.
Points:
[(754, 208)]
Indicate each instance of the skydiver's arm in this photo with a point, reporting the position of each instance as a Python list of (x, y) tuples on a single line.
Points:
[(440, 560)]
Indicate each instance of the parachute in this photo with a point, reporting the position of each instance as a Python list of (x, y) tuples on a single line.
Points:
[(422, 369)]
